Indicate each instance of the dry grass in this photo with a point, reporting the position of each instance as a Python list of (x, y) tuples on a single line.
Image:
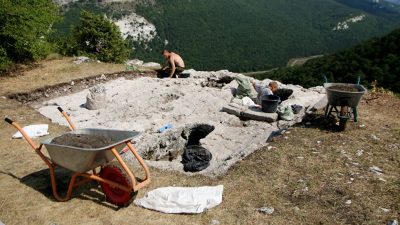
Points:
[(307, 176), (51, 72)]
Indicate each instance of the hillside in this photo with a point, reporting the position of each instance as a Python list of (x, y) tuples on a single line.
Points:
[(245, 35), (374, 60)]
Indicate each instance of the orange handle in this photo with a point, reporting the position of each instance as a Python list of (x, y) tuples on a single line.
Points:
[(67, 118), (24, 134)]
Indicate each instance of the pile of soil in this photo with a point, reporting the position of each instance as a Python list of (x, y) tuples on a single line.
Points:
[(83, 141), (346, 88)]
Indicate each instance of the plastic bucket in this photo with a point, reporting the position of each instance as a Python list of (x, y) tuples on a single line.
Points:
[(269, 103)]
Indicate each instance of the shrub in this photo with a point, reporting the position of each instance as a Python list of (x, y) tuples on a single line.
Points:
[(100, 38), (24, 30)]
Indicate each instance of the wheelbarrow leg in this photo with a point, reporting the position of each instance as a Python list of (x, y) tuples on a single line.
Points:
[(343, 117), (72, 183), (54, 185), (326, 110), (122, 192), (136, 186), (147, 179), (355, 113)]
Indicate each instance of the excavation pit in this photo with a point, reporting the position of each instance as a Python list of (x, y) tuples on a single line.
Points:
[(194, 111)]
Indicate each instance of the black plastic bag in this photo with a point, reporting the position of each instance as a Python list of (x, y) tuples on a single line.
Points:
[(195, 158)]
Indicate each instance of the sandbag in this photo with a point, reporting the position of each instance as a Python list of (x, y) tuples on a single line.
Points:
[(244, 87), (285, 113), (96, 98)]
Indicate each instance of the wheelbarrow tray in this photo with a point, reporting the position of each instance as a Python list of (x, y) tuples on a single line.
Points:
[(344, 98), (85, 159)]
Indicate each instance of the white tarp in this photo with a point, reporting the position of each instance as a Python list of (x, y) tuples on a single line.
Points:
[(36, 130), (182, 199)]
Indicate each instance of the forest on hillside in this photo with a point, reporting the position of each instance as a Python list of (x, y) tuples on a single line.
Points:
[(374, 60), (249, 35)]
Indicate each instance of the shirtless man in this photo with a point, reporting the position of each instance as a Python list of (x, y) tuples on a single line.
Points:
[(262, 90), (175, 64)]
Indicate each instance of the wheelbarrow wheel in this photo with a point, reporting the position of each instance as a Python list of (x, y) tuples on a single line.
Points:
[(116, 195)]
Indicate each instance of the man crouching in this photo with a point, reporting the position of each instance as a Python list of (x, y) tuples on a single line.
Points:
[(174, 65)]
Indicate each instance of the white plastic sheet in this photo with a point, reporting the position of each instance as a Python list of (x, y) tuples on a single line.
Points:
[(248, 102), (182, 199), (36, 130)]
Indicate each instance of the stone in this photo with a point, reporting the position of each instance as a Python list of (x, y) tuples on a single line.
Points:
[(96, 98), (376, 170), (266, 210), (214, 222), (247, 113)]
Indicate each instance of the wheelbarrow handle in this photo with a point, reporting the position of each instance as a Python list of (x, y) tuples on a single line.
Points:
[(8, 120), (67, 118), (23, 133)]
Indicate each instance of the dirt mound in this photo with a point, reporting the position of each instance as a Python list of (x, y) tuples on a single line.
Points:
[(88, 141), (346, 88)]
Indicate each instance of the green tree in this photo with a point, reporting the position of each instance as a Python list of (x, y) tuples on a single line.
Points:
[(100, 38), (24, 28)]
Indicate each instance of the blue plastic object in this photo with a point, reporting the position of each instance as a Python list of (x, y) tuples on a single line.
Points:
[(165, 127)]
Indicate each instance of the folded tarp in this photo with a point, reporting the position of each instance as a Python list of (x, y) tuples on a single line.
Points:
[(182, 199)]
